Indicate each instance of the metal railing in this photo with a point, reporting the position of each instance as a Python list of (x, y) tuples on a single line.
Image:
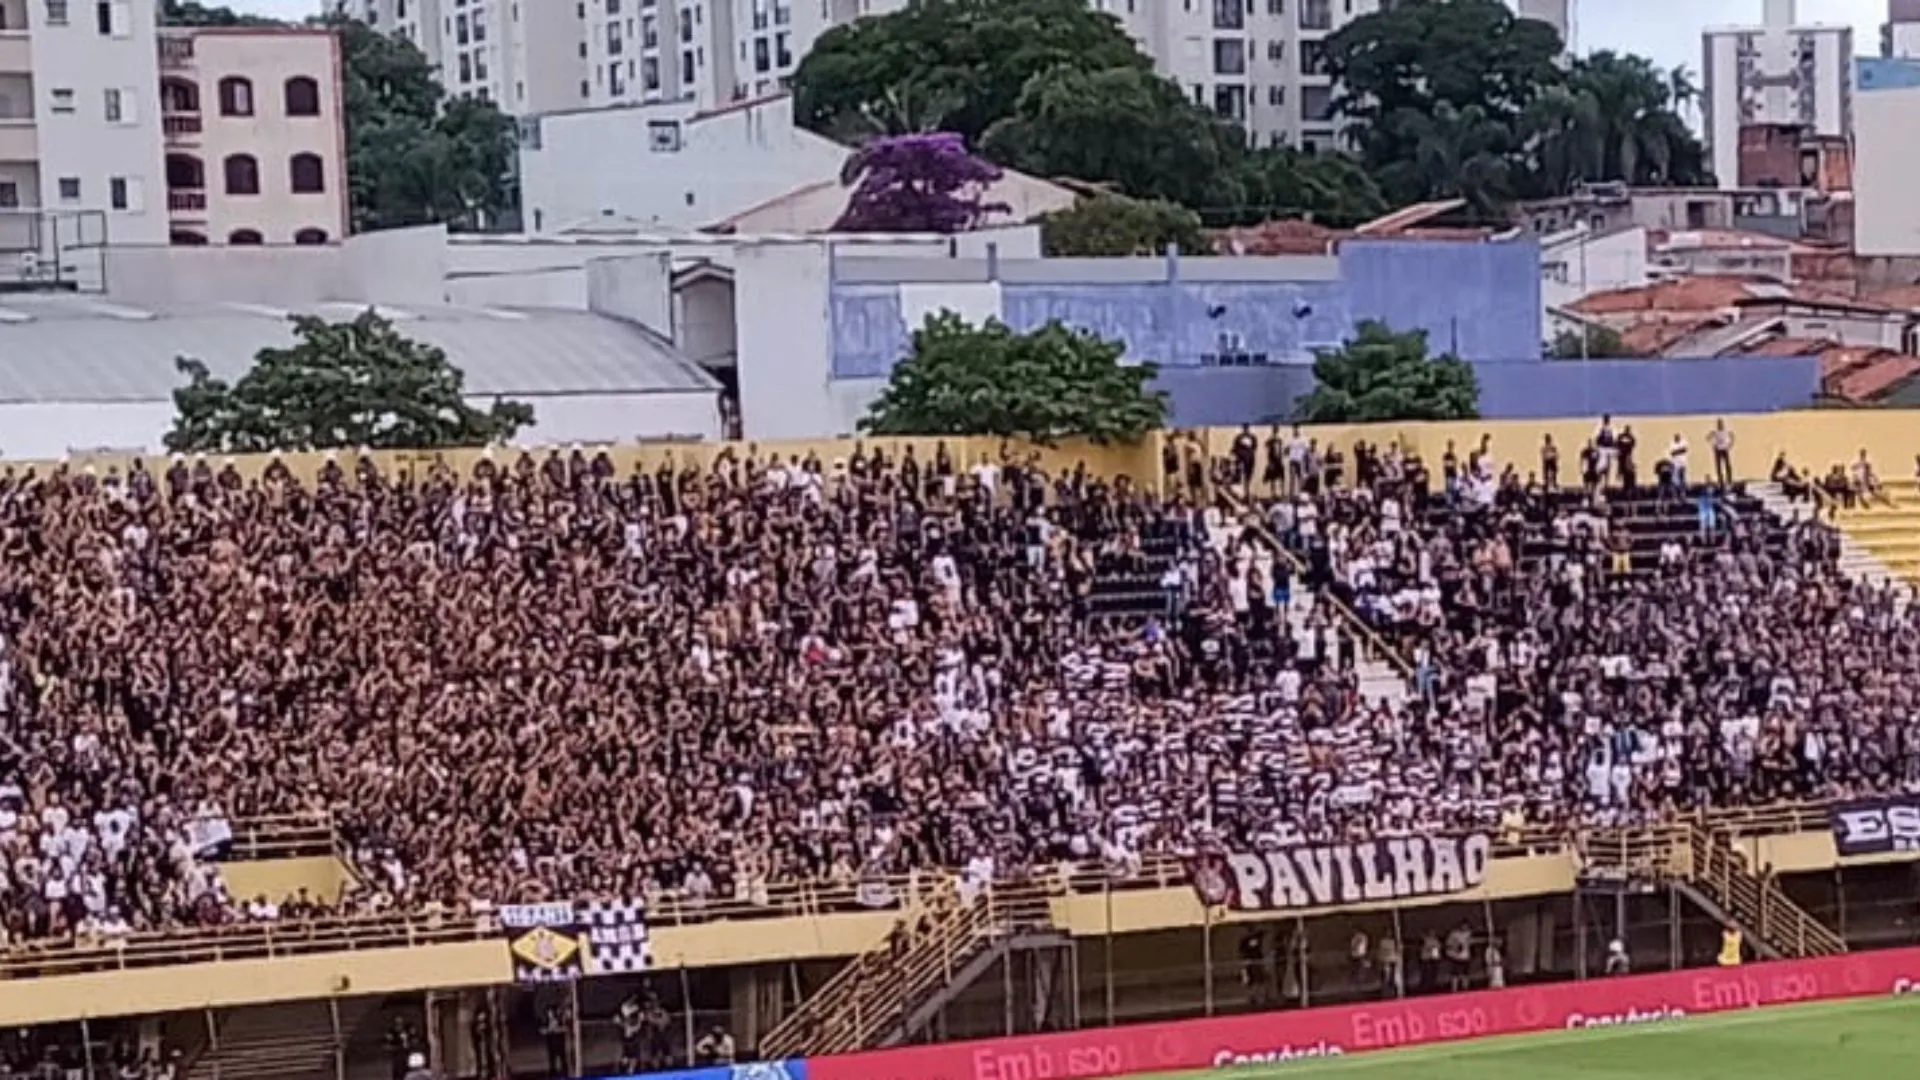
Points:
[(878, 990), (774, 900)]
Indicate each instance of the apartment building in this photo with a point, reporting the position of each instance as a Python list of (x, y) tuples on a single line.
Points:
[(135, 135), (1900, 34), (254, 137), (1780, 72), (79, 129), (1261, 62)]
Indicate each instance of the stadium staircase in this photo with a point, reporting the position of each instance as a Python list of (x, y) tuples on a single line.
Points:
[(1383, 673), (1137, 596), (885, 995), (1889, 535), (304, 1041), (1706, 868)]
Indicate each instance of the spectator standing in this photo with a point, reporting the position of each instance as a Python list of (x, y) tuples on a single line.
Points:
[(1720, 440)]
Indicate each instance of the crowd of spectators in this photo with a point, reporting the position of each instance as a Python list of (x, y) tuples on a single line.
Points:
[(548, 678)]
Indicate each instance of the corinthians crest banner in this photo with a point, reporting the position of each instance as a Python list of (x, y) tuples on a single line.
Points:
[(557, 942), (1327, 875)]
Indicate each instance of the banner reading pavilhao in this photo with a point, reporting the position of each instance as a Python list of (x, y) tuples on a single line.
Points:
[(1321, 875)]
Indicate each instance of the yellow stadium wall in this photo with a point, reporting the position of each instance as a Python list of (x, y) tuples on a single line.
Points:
[(64, 998), (1811, 440), (322, 876)]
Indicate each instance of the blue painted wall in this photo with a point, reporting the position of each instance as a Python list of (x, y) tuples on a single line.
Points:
[(1525, 389), (1481, 301), (1185, 324), (1883, 73)]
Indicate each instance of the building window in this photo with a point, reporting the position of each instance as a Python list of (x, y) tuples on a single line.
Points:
[(179, 96), (56, 12), (236, 96), (9, 195), (310, 237), (309, 174), (69, 189), (303, 96), (243, 175), (187, 238), (125, 193), (185, 171), (245, 238), (62, 100)]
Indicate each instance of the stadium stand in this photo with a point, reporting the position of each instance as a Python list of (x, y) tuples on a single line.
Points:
[(957, 683)]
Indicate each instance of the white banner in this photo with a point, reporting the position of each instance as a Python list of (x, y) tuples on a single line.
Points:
[(1328, 875)]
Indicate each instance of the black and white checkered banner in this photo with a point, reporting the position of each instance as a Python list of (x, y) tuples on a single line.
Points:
[(558, 942)]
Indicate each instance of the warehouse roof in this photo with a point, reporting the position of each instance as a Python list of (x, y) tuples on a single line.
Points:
[(72, 348)]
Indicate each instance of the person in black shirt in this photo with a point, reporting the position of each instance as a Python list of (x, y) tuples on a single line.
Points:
[(1253, 968)]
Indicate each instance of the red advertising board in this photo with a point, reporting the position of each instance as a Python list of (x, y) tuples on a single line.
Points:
[(1310, 1033)]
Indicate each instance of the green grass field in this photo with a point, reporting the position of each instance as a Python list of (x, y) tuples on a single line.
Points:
[(1872, 1039)]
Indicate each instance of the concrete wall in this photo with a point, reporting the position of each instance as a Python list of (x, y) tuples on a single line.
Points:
[(1886, 159), (51, 430), (1481, 301), (1524, 389)]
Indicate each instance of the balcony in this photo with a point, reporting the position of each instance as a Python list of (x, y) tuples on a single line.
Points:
[(187, 203), (176, 52), (16, 54), (180, 130)]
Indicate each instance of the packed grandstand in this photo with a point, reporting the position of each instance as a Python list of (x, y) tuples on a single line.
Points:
[(850, 665), (779, 669)]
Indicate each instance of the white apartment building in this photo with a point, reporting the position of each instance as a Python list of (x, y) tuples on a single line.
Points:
[(130, 135), (1261, 62), (254, 133), (1778, 72), (79, 122), (525, 55)]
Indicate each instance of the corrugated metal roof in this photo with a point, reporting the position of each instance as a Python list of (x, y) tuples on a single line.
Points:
[(78, 349)]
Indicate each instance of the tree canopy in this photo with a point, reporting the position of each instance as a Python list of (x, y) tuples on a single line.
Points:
[(917, 183), (1462, 98), (1047, 385), (1056, 89), (414, 155), (1113, 225), (958, 65), (1382, 375), (340, 385)]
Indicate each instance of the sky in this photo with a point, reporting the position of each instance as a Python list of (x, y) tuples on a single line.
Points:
[(1667, 31)]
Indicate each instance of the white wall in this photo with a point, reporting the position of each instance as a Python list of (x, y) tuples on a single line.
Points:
[(1886, 160), (51, 430), (74, 65), (1592, 264), (587, 165), (785, 344)]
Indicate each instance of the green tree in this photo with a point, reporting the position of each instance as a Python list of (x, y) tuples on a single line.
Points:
[(1597, 343), (1330, 188), (415, 156), (1382, 375), (1401, 65), (1123, 126), (957, 65), (1047, 385), (1113, 225), (189, 13), (349, 384)]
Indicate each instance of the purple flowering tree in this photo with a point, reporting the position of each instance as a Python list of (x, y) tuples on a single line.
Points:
[(917, 183)]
